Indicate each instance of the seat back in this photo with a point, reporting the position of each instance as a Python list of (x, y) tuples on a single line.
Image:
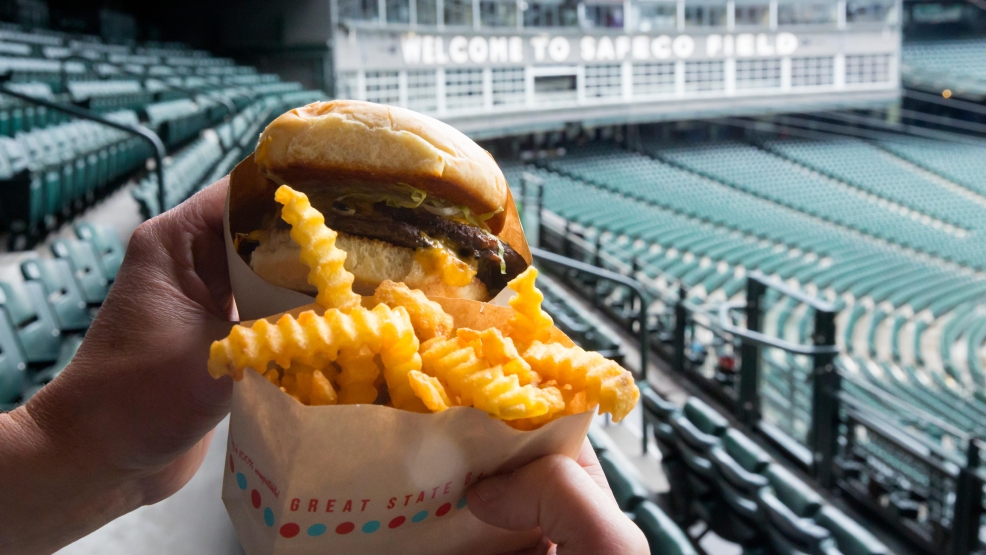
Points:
[(704, 417), (32, 320), (85, 268), (745, 452), (61, 291), (12, 364), (792, 492), (627, 489), (663, 536), (107, 244), (655, 405), (851, 538)]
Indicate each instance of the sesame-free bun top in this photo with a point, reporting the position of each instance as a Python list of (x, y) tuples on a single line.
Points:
[(345, 140)]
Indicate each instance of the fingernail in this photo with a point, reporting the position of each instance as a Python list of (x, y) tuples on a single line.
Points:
[(491, 489)]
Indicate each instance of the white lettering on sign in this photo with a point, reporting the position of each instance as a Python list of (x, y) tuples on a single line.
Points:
[(539, 44), (462, 49), (746, 45), (457, 49), (558, 49)]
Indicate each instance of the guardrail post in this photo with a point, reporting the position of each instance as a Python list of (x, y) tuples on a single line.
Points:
[(968, 504), (826, 382), (597, 259), (540, 225), (680, 326), (749, 386)]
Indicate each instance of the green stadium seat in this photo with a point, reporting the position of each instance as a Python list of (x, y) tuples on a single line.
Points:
[(61, 292), (789, 506), (663, 535), (622, 479), (32, 319), (107, 245), (85, 268), (849, 537), (739, 463), (698, 429), (13, 367)]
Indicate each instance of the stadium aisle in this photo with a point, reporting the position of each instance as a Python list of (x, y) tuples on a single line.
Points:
[(193, 521)]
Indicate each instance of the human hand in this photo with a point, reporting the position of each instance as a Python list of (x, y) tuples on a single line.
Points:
[(569, 500), (128, 422)]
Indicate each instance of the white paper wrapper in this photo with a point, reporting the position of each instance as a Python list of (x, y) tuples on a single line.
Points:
[(365, 478)]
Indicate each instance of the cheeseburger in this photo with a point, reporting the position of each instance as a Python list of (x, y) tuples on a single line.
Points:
[(412, 199)]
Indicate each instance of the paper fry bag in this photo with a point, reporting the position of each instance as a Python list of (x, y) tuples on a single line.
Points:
[(353, 479)]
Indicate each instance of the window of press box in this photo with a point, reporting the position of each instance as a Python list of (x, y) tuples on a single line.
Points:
[(458, 12), (361, 10), (398, 11), (752, 15), (550, 14), (427, 12), (602, 16), (655, 16), (869, 11), (555, 88), (705, 15), (804, 13), (494, 13)]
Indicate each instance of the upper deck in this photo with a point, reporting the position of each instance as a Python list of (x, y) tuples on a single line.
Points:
[(499, 67)]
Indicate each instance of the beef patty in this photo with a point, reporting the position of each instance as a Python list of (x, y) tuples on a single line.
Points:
[(414, 228)]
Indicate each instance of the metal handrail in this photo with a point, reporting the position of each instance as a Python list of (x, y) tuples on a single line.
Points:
[(138, 131), (894, 400), (939, 100), (793, 292), (764, 340), (633, 284)]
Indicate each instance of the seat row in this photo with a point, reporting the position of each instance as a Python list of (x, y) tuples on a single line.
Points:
[(17, 115), (663, 535), (721, 477), (43, 317), (678, 228), (49, 174)]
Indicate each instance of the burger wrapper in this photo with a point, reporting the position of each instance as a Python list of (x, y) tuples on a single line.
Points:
[(364, 478)]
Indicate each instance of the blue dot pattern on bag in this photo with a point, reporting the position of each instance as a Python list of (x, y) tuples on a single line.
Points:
[(420, 516), (241, 480), (268, 516), (461, 503), (316, 530), (371, 527)]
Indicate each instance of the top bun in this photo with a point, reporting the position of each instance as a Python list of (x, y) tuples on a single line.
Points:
[(383, 144)]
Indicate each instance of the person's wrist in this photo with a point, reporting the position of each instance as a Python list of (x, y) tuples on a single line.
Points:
[(50, 484)]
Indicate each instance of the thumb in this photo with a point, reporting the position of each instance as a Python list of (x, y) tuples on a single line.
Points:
[(557, 495)]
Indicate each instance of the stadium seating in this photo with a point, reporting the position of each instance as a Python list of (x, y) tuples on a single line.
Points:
[(949, 63), (703, 216), (662, 533), (742, 493), (53, 168)]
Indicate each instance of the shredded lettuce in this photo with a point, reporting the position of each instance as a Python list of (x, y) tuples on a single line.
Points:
[(404, 196)]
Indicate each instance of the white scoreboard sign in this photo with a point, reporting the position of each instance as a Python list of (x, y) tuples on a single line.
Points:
[(438, 50)]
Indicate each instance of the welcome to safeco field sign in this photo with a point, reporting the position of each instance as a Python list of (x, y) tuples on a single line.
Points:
[(462, 49)]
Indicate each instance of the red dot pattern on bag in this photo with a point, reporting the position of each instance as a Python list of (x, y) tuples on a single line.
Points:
[(290, 530), (255, 499), (396, 522), (443, 510), (345, 528)]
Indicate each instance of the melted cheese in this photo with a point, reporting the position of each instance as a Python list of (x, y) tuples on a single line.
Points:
[(441, 261)]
